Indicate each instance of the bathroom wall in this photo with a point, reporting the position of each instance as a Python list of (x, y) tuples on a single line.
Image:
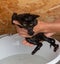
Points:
[(49, 10)]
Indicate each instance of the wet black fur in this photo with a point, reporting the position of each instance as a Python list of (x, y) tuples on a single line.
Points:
[(31, 19)]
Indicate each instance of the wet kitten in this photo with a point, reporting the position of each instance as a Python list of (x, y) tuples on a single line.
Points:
[(28, 21)]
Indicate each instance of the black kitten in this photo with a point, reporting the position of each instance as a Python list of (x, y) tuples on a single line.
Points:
[(36, 40), (28, 21)]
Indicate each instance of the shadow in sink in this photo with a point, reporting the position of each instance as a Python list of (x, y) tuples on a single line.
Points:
[(58, 62)]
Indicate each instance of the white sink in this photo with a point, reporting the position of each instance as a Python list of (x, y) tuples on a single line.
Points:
[(12, 45)]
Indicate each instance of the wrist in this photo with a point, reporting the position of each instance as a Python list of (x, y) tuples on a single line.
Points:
[(49, 27), (54, 27), (42, 27)]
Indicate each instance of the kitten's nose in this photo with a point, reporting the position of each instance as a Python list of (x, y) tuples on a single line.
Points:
[(30, 33)]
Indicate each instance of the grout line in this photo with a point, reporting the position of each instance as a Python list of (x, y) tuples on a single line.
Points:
[(54, 7)]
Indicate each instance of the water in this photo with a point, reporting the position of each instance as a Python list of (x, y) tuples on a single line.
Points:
[(24, 59)]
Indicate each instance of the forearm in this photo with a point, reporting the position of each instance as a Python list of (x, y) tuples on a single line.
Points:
[(54, 27)]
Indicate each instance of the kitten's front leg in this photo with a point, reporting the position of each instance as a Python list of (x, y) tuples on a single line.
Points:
[(37, 48), (35, 42)]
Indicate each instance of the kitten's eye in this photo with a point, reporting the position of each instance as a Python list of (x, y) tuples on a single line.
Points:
[(31, 24), (24, 24)]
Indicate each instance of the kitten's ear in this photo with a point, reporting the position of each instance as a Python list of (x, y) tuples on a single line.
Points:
[(14, 17), (35, 16)]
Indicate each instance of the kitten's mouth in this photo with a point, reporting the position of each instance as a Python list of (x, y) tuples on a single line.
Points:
[(30, 31)]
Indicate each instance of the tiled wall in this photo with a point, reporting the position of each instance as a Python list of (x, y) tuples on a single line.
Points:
[(49, 10)]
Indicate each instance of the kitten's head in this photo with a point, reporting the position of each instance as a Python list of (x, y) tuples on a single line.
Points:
[(27, 21)]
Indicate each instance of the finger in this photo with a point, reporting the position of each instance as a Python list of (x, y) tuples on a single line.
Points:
[(27, 43), (23, 34), (21, 29), (16, 22)]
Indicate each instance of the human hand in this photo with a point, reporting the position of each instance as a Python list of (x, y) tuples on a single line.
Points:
[(40, 27)]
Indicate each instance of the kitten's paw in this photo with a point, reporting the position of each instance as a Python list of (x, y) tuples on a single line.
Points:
[(56, 47)]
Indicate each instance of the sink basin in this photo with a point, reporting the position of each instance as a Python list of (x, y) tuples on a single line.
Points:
[(12, 50)]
